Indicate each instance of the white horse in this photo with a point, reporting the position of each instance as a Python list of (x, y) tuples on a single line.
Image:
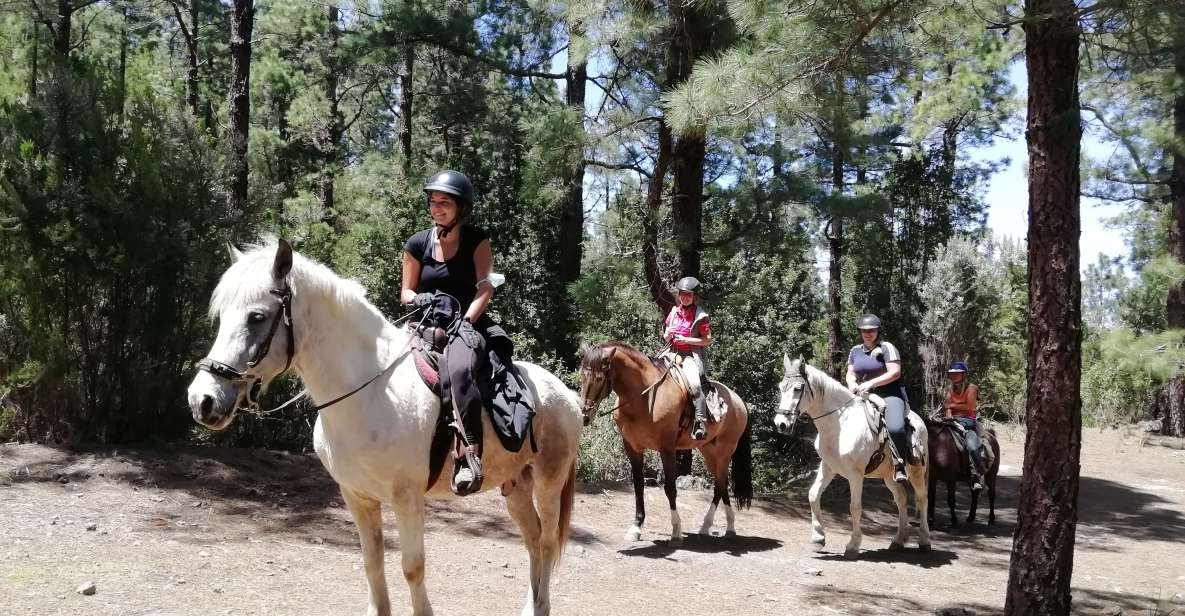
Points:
[(375, 443), (846, 443)]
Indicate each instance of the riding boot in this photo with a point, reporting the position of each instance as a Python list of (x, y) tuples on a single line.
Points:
[(901, 446), (699, 428), (976, 474), (468, 475)]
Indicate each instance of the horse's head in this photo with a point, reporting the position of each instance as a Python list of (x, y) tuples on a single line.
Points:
[(596, 378), (795, 387), (255, 341)]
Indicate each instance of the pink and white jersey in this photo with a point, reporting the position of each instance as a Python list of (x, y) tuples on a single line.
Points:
[(681, 321)]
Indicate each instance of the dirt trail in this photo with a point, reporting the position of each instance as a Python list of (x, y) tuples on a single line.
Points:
[(222, 531)]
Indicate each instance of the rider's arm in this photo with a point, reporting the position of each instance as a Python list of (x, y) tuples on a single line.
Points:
[(968, 406), (892, 373), (483, 264), (704, 340), (850, 379), (411, 278)]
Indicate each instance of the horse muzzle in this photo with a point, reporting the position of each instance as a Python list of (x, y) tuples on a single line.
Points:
[(211, 404), (783, 424)]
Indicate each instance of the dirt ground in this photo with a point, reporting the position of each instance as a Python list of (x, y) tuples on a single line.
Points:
[(224, 531)]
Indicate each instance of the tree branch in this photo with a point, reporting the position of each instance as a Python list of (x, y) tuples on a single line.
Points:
[(633, 166), (490, 62)]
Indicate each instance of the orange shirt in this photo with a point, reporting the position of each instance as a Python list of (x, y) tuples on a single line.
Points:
[(968, 398)]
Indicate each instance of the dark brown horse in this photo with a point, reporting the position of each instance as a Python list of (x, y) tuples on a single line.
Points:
[(951, 465), (652, 414)]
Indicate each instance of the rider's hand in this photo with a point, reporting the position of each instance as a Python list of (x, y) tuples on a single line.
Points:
[(862, 389), (854, 388), (422, 300)]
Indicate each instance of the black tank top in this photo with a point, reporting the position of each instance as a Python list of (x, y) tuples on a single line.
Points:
[(456, 276)]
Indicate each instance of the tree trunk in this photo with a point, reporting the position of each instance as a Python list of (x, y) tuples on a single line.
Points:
[(34, 47), (123, 64), (61, 39), (1174, 419), (406, 98), (571, 240), (1175, 309), (659, 290), (242, 21), (571, 229), (836, 358), (1043, 544), (692, 36), (330, 139), (191, 69)]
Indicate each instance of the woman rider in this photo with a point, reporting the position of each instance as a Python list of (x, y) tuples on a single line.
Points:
[(961, 400), (688, 332), (874, 366)]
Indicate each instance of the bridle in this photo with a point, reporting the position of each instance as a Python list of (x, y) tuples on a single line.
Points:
[(606, 369), (284, 295), (805, 418), (228, 372)]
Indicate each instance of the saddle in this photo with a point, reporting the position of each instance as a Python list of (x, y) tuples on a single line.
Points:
[(714, 401), (505, 396), (960, 437), (882, 432)]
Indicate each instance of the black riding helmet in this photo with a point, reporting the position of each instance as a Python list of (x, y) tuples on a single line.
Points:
[(457, 185), (688, 284)]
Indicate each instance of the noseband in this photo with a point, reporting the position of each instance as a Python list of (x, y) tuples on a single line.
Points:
[(607, 370), (219, 369)]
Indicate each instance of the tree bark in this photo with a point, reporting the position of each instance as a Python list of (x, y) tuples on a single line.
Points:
[(691, 38), (1175, 308), (836, 358), (61, 39), (571, 240), (34, 47), (1039, 575), (123, 63), (406, 99), (659, 289), (242, 22), (330, 139)]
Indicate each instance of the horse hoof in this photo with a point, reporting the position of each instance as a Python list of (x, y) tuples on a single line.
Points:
[(731, 534), (676, 542), (819, 540), (633, 534), (851, 554), (924, 548), (991, 520), (896, 547)]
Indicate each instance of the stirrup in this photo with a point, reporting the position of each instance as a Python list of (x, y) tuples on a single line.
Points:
[(465, 481), (699, 429), (899, 474)]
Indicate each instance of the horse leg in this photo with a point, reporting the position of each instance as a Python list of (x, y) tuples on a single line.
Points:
[(902, 502), (933, 489), (668, 484), (974, 504), (634, 533), (368, 517), (718, 485), (856, 509), (823, 477), (521, 506), (922, 502), (409, 515), (991, 486)]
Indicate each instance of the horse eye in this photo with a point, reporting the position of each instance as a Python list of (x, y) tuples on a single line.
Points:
[(256, 317)]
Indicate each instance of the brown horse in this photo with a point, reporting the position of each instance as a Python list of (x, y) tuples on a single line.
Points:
[(950, 465), (653, 413)]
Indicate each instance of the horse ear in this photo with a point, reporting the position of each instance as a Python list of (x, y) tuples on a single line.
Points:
[(786, 365), (283, 263), (802, 366), (610, 352), (236, 255)]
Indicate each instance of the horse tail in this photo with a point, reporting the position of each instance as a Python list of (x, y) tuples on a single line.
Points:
[(742, 470), (567, 498)]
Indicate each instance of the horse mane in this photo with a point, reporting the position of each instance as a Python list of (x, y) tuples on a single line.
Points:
[(249, 279), (824, 380), (594, 353)]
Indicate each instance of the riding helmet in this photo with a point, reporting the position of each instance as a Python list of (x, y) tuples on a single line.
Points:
[(868, 321), (688, 284), (452, 183), (957, 366)]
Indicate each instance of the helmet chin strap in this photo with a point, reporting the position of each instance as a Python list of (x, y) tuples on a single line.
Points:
[(443, 230)]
